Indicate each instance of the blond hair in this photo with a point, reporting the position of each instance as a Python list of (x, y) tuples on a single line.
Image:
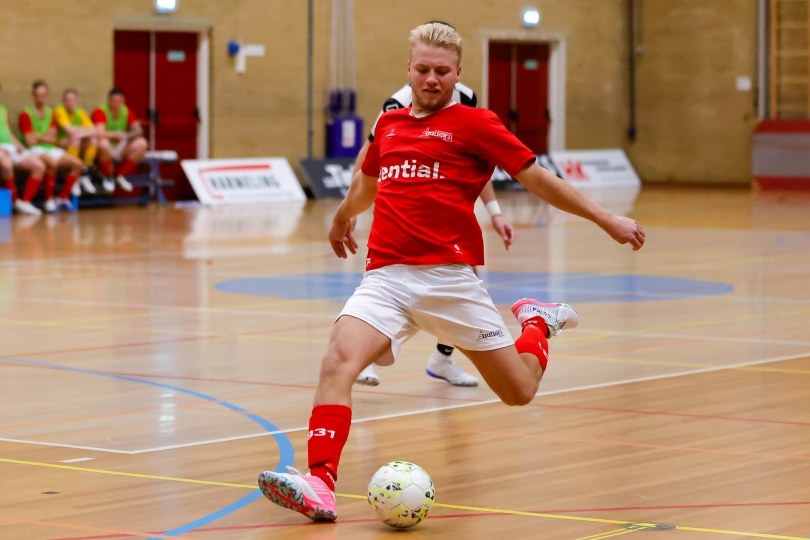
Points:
[(439, 35)]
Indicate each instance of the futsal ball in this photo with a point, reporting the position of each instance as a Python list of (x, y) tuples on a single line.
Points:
[(401, 494)]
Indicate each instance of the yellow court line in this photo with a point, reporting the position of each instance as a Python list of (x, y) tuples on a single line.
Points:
[(615, 522), (611, 534), (475, 509), (71, 526), (777, 370), (126, 474)]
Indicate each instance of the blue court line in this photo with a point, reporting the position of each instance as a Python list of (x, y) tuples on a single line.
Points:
[(503, 287), (285, 447), (222, 512)]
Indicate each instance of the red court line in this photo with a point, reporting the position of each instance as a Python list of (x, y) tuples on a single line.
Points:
[(681, 415), (118, 533), (161, 342), (673, 507), (478, 514), (628, 444)]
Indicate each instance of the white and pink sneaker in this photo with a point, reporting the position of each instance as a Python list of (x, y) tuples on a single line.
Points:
[(555, 316), (304, 493)]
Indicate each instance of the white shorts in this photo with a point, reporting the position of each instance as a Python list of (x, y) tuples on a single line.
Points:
[(53, 153), (16, 156), (448, 301), (117, 151)]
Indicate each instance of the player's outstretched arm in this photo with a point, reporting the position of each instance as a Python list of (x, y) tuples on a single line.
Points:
[(543, 184), (359, 197)]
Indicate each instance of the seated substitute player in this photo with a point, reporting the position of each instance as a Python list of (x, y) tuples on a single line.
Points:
[(38, 128), (76, 133), (423, 242), (440, 364), (13, 154), (120, 138)]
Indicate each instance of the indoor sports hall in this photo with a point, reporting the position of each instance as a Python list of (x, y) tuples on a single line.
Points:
[(161, 347)]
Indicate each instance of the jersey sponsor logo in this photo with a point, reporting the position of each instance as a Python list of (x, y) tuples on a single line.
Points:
[(390, 133), (443, 135), (489, 334), (411, 169)]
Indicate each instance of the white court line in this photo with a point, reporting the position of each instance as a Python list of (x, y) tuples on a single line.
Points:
[(694, 337), (422, 411), (433, 409), (486, 402), (62, 445), (77, 460)]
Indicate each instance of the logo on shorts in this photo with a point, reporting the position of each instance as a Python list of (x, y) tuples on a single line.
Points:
[(482, 335)]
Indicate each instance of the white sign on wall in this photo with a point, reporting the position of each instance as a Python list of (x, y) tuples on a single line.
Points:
[(596, 168), (243, 181)]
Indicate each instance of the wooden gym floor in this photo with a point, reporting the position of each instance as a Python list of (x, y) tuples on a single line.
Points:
[(155, 360)]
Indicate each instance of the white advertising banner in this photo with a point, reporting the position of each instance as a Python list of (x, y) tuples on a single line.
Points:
[(243, 181), (596, 168)]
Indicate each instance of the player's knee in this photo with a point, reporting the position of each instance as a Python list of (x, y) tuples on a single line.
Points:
[(139, 145), (332, 364), (515, 401), (518, 397), (37, 168), (335, 365)]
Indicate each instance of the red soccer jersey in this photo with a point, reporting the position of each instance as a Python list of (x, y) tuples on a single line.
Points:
[(430, 172)]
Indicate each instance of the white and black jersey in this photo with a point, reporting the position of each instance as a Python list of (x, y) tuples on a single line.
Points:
[(403, 98)]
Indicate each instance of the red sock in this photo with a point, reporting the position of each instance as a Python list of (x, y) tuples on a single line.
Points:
[(69, 181), (50, 185), (533, 341), (328, 430), (105, 167), (128, 167), (31, 188), (11, 185)]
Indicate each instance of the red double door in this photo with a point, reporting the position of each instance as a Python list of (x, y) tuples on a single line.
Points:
[(157, 71), (518, 90)]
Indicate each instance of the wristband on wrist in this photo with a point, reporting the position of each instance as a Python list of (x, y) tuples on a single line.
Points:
[(493, 208)]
